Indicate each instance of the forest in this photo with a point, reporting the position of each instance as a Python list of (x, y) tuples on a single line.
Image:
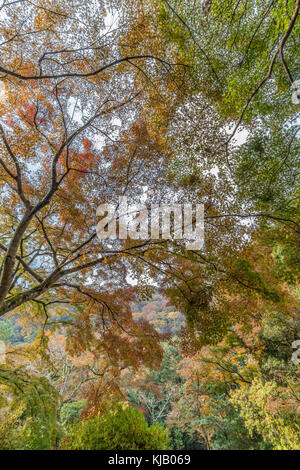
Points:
[(144, 342)]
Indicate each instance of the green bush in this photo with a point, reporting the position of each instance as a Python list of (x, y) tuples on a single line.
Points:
[(120, 428), (70, 412)]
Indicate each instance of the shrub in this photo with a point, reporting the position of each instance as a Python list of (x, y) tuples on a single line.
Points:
[(121, 428), (70, 412)]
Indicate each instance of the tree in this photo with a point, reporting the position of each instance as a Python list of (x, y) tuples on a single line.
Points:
[(152, 391), (243, 393), (260, 407), (120, 428), (51, 223), (70, 412), (28, 418), (60, 147)]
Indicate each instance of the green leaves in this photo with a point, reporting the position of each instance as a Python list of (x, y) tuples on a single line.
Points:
[(265, 409), (119, 428), (32, 410)]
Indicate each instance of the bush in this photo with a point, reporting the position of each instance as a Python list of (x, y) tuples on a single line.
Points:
[(70, 412), (119, 428)]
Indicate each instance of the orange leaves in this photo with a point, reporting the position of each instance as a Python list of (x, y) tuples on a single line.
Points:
[(40, 20), (80, 163), (106, 327), (87, 144), (28, 114)]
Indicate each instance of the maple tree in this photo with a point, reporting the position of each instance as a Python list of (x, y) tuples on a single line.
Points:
[(62, 154)]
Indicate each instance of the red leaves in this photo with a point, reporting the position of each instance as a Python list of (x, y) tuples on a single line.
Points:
[(87, 144), (27, 113)]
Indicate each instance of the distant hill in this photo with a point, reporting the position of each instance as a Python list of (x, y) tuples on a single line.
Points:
[(163, 317)]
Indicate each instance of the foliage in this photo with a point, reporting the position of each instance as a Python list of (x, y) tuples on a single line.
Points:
[(266, 409), (29, 418), (165, 101), (70, 412), (158, 313), (120, 428)]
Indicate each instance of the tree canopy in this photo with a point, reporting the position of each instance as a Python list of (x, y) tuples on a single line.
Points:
[(167, 102)]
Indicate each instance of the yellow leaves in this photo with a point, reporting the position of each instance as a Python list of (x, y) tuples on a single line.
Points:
[(40, 20), (3, 92)]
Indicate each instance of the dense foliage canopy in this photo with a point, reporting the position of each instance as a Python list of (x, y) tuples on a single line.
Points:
[(164, 102)]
